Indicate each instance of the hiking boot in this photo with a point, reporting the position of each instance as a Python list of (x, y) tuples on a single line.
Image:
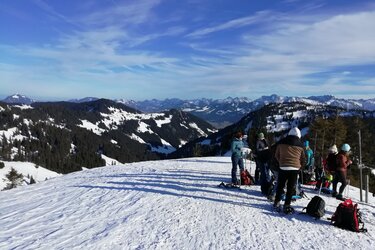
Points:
[(288, 210)]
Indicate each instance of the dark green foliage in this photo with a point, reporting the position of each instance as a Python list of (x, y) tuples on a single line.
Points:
[(50, 129), (15, 179), (32, 181)]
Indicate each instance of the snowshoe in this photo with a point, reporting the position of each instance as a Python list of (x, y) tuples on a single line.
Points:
[(228, 185), (288, 210)]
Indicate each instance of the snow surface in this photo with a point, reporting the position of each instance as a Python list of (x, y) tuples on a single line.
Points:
[(38, 173), (170, 204)]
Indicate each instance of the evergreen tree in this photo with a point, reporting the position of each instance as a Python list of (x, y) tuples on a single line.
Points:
[(32, 181), (15, 179)]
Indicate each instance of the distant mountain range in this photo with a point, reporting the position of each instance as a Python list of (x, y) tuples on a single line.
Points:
[(19, 99), (224, 112)]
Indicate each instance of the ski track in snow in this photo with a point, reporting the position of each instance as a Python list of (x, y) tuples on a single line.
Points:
[(171, 204)]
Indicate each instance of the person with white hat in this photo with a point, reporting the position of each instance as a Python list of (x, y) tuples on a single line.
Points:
[(343, 163)]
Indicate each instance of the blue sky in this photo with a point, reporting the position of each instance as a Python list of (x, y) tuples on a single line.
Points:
[(143, 49)]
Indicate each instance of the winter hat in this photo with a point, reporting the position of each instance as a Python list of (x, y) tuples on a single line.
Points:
[(333, 149), (295, 131), (307, 143), (345, 147), (261, 136)]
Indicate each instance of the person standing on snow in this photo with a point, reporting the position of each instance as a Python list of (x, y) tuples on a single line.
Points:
[(330, 162), (343, 162), (291, 157), (236, 146), (306, 173), (263, 157)]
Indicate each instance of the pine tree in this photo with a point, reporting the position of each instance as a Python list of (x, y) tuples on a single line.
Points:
[(15, 179)]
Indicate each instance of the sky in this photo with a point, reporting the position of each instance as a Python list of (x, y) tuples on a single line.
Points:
[(144, 49)]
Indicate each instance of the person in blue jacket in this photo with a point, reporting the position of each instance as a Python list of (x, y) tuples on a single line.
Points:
[(236, 146), (309, 157)]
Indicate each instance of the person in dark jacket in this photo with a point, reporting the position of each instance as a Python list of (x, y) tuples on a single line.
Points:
[(236, 146), (342, 161), (263, 157), (290, 155)]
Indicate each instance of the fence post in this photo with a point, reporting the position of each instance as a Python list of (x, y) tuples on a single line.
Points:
[(360, 165), (367, 187)]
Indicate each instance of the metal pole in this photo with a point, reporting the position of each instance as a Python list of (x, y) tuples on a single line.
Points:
[(360, 165), (367, 187)]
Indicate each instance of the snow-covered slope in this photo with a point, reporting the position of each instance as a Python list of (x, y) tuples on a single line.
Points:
[(171, 204), (28, 170)]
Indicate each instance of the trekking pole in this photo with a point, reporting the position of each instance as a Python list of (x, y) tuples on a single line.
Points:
[(347, 190), (321, 185)]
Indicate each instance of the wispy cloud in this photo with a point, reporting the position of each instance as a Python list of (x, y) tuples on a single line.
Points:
[(53, 13), (235, 23), (131, 13), (125, 47)]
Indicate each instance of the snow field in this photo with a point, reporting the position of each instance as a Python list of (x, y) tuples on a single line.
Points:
[(170, 204)]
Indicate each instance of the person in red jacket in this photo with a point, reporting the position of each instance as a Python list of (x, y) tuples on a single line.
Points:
[(343, 162)]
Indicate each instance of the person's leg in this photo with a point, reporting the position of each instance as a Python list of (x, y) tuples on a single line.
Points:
[(343, 183), (240, 164), (273, 193), (281, 180), (334, 184), (291, 185), (234, 169), (262, 173), (256, 175)]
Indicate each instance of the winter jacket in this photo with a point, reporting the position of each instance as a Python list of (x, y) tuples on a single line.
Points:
[(309, 157), (263, 153), (236, 146), (342, 162), (290, 152)]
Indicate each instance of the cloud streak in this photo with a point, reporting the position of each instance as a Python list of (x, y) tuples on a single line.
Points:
[(124, 49)]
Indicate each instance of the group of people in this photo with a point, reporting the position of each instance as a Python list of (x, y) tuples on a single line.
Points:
[(284, 164)]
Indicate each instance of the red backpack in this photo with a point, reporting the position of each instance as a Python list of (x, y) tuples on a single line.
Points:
[(347, 216), (246, 178)]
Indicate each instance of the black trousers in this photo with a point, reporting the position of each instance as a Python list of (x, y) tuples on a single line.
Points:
[(288, 177), (340, 176)]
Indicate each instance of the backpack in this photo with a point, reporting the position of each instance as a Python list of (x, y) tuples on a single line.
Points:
[(331, 162), (316, 207), (246, 178), (347, 216)]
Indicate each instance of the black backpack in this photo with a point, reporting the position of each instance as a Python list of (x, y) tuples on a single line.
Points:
[(347, 216), (316, 207)]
